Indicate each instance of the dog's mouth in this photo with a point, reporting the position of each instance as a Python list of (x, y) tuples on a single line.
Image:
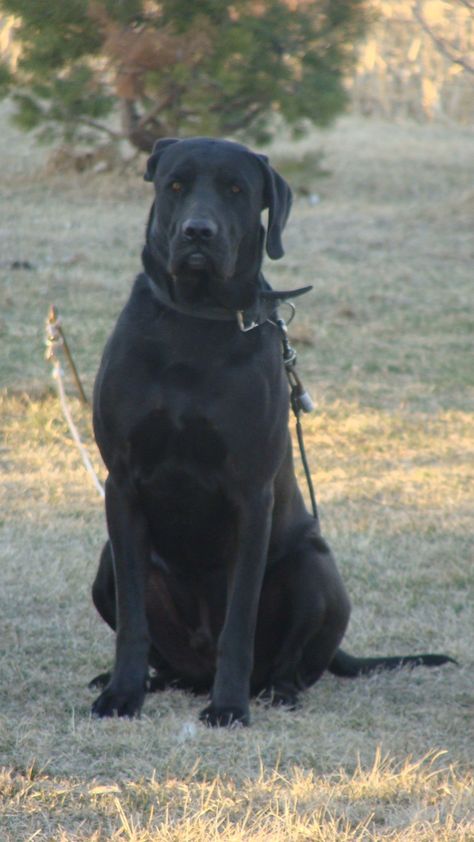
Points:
[(197, 260), (195, 277), (200, 276), (205, 276), (187, 262)]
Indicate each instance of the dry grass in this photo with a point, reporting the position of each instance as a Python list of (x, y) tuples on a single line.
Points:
[(270, 807), (386, 347)]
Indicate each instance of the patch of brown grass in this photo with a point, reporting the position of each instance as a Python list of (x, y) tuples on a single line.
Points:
[(272, 806)]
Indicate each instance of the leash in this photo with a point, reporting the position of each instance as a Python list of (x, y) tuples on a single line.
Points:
[(300, 400), (55, 338)]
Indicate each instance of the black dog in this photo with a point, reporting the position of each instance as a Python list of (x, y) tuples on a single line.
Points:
[(215, 574)]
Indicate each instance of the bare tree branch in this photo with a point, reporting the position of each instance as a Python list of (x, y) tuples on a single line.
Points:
[(151, 115), (246, 119), (87, 121), (443, 46)]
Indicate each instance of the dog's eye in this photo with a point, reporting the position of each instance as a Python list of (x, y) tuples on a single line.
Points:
[(176, 186), (235, 189)]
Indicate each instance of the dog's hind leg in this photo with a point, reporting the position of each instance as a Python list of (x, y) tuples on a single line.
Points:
[(309, 623), (103, 589), (103, 595)]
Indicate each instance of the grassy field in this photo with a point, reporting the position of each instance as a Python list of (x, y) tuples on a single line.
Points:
[(386, 345)]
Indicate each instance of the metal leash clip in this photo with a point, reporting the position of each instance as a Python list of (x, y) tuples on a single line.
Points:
[(300, 398), (240, 321)]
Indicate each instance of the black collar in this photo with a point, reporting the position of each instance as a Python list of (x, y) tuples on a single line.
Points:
[(265, 307)]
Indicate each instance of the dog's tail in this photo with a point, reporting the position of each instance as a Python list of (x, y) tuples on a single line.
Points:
[(347, 666)]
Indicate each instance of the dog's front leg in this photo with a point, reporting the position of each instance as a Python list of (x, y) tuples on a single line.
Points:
[(231, 689), (128, 533)]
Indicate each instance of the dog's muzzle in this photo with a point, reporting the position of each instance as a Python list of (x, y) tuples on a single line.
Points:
[(208, 253)]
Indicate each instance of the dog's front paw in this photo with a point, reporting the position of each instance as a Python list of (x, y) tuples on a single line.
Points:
[(224, 717), (112, 702)]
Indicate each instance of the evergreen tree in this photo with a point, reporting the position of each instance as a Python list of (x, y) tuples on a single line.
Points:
[(179, 67)]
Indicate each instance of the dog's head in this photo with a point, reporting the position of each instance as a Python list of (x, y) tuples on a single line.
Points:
[(204, 229)]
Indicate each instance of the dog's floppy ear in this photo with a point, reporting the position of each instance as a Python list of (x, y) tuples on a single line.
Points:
[(277, 198), (152, 162)]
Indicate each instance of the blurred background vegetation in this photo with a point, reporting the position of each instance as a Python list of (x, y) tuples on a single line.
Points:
[(177, 66), (118, 75)]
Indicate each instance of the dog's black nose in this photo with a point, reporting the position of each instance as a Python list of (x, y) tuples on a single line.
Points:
[(199, 229)]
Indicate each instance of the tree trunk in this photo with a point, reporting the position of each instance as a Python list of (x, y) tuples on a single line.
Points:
[(139, 133)]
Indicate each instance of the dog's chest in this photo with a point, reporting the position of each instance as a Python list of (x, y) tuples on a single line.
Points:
[(201, 430), (179, 463), (202, 413), (164, 439)]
